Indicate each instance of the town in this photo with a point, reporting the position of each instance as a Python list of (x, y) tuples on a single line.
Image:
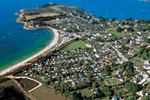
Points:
[(95, 58)]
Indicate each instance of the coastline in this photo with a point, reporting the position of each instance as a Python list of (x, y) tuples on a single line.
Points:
[(36, 56)]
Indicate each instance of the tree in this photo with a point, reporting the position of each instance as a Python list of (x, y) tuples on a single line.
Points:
[(133, 98), (94, 85), (119, 29), (76, 96), (132, 87), (148, 40), (130, 29), (113, 19), (146, 97)]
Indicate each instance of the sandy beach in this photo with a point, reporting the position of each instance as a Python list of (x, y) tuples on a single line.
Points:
[(21, 65)]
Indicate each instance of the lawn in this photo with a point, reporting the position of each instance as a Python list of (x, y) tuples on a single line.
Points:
[(114, 82), (108, 82), (46, 93), (111, 82), (75, 45), (85, 92), (138, 61), (114, 31)]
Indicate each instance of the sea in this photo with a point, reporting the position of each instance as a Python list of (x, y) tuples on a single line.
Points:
[(17, 44)]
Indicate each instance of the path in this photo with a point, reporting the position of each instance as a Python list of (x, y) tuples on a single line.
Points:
[(19, 85), (14, 77)]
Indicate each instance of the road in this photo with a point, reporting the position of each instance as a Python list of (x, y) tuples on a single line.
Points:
[(119, 54), (19, 85), (14, 77)]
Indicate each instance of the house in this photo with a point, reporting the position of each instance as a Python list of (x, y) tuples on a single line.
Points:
[(37, 25), (88, 45), (147, 65), (131, 52), (121, 79), (96, 91), (139, 33), (81, 75), (148, 93), (119, 73), (132, 42), (139, 79), (115, 97)]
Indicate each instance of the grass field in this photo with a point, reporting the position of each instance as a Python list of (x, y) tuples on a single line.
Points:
[(111, 82), (46, 93), (114, 31), (85, 92), (75, 45), (123, 91)]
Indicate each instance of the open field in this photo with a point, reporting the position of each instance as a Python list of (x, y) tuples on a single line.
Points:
[(8, 83), (76, 45), (11, 91), (122, 90), (27, 84), (85, 92), (138, 61), (28, 17), (111, 82), (46, 93), (57, 7), (114, 31)]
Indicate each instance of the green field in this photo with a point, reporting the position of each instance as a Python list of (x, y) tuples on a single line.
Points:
[(57, 8), (75, 45), (111, 82), (85, 92), (114, 31)]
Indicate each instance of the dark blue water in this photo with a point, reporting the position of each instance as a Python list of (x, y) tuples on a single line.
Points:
[(17, 43)]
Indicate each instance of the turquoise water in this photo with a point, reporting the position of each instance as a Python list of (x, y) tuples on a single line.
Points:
[(17, 43), (18, 46)]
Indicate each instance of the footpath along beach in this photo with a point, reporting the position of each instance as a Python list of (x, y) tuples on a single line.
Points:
[(23, 63)]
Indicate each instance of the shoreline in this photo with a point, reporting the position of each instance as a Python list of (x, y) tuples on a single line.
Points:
[(34, 57)]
